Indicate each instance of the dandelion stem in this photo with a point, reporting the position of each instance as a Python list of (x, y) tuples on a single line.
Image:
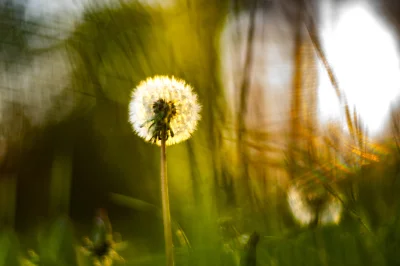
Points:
[(165, 205)]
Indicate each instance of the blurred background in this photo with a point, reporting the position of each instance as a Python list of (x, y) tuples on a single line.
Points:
[(299, 137)]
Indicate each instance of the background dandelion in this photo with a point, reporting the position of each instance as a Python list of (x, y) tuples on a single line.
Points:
[(301, 204)]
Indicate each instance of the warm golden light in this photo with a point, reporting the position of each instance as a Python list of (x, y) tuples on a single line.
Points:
[(363, 54)]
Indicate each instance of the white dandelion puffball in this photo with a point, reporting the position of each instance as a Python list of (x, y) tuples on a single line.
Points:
[(304, 212), (299, 207), (169, 89)]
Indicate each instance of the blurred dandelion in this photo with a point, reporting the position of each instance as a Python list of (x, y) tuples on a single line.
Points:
[(102, 257), (314, 206), (234, 242), (102, 248), (164, 111)]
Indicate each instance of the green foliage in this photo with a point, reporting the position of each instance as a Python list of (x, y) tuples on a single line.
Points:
[(9, 248), (56, 243)]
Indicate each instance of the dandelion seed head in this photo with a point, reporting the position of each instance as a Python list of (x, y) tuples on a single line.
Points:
[(331, 214), (173, 91), (301, 206)]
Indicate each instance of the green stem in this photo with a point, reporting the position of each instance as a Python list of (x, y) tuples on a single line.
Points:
[(165, 205)]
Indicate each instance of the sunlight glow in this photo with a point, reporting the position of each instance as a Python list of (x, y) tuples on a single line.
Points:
[(363, 55)]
